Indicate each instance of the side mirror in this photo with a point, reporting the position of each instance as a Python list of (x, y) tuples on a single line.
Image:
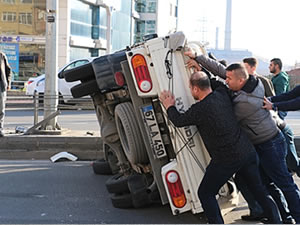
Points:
[(61, 75)]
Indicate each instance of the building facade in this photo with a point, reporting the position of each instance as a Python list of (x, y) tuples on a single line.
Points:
[(22, 32), (82, 29), (154, 16)]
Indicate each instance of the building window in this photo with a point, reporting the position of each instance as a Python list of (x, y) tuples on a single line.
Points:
[(82, 30), (150, 27), (9, 16), (144, 27), (94, 52), (25, 18), (9, 1), (26, 1), (151, 6), (145, 6)]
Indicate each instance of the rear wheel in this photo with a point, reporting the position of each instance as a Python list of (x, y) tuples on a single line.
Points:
[(129, 133)]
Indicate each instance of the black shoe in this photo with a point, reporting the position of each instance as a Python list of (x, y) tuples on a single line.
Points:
[(288, 221), (252, 217), (285, 221)]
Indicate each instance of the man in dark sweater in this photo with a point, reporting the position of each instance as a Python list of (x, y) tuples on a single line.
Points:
[(228, 146)]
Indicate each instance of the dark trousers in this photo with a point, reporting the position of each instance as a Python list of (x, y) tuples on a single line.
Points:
[(292, 164), (217, 174), (272, 160), (292, 159)]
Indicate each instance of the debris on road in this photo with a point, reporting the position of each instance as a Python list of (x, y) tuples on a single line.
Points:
[(63, 155)]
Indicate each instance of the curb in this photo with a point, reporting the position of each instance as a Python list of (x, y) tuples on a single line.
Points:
[(45, 146)]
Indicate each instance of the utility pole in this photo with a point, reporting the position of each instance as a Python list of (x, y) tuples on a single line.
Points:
[(51, 93)]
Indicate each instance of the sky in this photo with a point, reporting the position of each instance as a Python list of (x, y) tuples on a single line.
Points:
[(267, 28)]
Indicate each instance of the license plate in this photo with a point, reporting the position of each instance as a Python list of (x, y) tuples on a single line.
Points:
[(155, 138)]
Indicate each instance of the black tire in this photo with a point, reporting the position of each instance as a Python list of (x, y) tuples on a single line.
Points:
[(129, 133), (101, 167), (84, 89), (117, 184), (84, 72), (140, 198), (155, 196), (127, 200), (136, 182), (123, 201)]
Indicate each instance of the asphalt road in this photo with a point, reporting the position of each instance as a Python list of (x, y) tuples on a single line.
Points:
[(41, 192)]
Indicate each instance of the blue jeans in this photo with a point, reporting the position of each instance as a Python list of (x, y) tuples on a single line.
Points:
[(272, 160), (292, 164), (282, 114), (292, 159), (217, 174)]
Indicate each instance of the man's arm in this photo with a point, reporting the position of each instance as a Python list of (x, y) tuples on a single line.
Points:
[(187, 118), (287, 95), (212, 66), (291, 105), (209, 64), (190, 117)]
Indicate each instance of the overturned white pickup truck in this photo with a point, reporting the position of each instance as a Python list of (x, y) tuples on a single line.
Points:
[(148, 155)]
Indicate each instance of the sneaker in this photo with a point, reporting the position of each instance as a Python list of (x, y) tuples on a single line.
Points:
[(252, 217)]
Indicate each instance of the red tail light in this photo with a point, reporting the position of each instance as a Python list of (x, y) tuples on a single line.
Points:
[(175, 189), (29, 82), (119, 78), (141, 73)]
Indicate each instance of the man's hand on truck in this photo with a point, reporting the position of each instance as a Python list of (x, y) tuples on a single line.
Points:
[(167, 99)]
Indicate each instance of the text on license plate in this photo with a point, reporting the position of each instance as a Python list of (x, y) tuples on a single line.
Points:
[(156, 142)]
